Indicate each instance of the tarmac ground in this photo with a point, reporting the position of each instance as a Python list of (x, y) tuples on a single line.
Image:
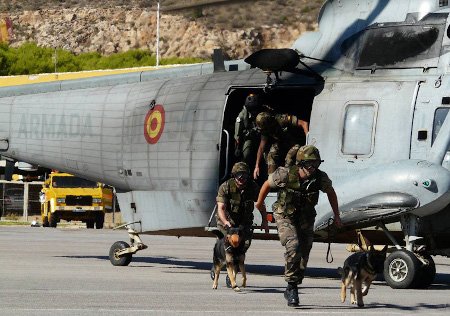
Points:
[(66, 271)]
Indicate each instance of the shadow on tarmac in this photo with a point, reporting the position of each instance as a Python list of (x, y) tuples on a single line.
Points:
[(441, 282)]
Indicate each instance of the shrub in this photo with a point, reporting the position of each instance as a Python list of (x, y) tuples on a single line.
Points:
[(32, 59)]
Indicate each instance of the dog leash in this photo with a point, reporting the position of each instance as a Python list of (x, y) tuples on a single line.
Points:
[(329, 254)]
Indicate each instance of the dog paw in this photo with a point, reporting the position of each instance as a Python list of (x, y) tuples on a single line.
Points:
[(214, 287), (236, 289)]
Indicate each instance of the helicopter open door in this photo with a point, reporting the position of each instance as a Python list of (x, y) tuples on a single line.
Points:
[(280, 99), (293, 100)]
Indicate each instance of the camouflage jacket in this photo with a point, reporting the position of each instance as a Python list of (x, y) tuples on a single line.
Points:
[(295, 195), (239, 204)]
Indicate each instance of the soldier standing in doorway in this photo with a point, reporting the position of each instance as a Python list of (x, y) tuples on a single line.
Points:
[(246, 134)]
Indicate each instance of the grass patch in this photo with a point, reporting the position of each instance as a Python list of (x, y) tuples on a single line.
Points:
[(14, 223)]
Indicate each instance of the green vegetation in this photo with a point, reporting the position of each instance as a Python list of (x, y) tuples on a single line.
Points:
[(32, 59), (13, 223)]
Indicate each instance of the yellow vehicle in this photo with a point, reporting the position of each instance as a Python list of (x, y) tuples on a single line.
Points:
[(67, 197)]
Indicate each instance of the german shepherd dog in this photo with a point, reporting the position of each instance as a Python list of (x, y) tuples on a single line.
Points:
[(361, 268), (229, 250)]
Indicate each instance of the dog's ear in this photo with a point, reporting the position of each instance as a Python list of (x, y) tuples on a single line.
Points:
[(218, 233)]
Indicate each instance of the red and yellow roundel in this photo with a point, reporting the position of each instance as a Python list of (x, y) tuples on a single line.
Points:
[(154, 124)]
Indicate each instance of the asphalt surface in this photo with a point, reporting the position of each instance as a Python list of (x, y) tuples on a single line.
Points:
[(66, 271)]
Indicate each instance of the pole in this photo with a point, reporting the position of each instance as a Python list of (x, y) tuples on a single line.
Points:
[(26, 190), (157, 35), (55, 58)]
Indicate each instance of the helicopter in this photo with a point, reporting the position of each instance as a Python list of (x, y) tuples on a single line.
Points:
[(371, 82)]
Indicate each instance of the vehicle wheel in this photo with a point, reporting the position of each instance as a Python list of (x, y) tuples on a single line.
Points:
[(45, 222), (99, 220), (427, 273), (53, 220), (90, 223), (401, 269), (115, 259)]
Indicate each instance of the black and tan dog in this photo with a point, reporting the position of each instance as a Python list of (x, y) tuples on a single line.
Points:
[(361, 268), (229, 250)]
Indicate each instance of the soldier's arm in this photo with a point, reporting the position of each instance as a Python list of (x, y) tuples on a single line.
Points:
[(304, 125), (299, 123), (239, 127), (222, 213), (262, 196), (263, 211), (262, 145), (332, 199)]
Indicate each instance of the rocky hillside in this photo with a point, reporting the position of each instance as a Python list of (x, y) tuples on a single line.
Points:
[(238, 27)]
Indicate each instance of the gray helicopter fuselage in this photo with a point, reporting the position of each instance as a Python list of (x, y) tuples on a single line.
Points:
[(164, 138)]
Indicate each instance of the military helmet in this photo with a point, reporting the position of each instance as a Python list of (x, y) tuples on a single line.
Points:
[(252, 101), (265, 120), (308, 153), (240, 167)]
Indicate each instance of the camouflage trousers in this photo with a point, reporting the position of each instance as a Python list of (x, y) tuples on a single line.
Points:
[(276, 155), (291, 156), (297, 237)]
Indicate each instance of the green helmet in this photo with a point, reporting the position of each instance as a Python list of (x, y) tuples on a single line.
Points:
[(265, 121), (308, 153), (240, 167)]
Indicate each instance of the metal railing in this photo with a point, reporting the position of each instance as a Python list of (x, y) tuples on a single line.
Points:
[(19, 199)]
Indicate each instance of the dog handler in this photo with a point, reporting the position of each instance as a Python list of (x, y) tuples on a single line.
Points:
[(235, 203), (298, 193)]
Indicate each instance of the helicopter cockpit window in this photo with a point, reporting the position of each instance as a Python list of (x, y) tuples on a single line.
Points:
[(439, 118), (358, 129), (397, 45)]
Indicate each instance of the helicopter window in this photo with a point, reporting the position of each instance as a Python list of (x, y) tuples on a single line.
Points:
[(439, 118), (443, 3), (397, 45), (357, 135)]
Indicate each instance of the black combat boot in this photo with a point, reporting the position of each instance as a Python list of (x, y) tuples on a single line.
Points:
[(291, 294)]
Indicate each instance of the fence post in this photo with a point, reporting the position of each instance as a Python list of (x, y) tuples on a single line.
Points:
[(25, 200)]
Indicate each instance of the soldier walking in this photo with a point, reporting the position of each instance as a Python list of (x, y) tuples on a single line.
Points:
[(298, 193), (235, 203)]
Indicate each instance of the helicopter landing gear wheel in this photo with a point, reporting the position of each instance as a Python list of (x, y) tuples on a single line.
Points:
[(118, 259), (401, 269)]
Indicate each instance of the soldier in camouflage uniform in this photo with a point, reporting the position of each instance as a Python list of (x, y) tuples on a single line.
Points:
[(235, 203), (246, 134), (298, 192), (277, 129)]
